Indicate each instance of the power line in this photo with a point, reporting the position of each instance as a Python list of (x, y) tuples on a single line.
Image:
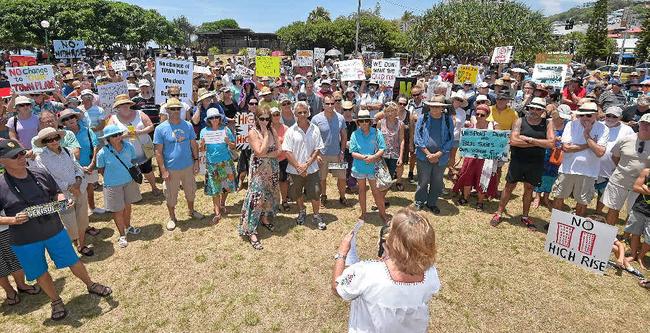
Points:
[(397, 4)]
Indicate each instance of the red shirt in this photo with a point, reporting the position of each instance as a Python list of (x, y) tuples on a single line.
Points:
[(580, 93)]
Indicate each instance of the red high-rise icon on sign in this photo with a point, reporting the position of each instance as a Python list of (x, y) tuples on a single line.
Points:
[(587, 241), (563, 234)]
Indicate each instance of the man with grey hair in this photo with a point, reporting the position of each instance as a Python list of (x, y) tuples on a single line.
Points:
[(613, 97), (633, 113)]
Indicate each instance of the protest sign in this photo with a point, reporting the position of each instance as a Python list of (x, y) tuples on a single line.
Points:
[(319, 54), (108, 92), (212, 137), (466, 73), (263, 52), (243, 123), (277, 53), (244, 71), (5, 89), (173, 73), (352, 257), (368, 56), (119, 65), (32, 79), (384, 71), (351, 70), (581, 241), (553, 58), (403, 86), (202, 70), (69, 49), (251, 52), (21, 61), (267, 66), (46, 208), (550, 74), (305, 58), (484, 144), (502, 55)]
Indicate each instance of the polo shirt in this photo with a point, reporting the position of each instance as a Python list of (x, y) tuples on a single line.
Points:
[(302, 144), (116, 174), (176, 140), (504, 118)]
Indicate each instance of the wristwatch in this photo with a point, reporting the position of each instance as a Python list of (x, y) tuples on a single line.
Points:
[(339, 256)]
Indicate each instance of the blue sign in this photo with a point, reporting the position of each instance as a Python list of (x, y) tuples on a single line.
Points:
[(484, 144)]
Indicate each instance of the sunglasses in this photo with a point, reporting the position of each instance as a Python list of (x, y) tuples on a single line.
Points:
[(611, 116), (403, 104), (585, 115), (51, 139), (329, 103), (115, 136), (286, 103), (252, 103), (19, 155), (214, 118), (337, 100), (481, 115), (264, 118), (363, 121), (301, 113), (174, 95), (21, 105), (416, 95), (481, 102), (68, 118), (276, 115), (641, 147)]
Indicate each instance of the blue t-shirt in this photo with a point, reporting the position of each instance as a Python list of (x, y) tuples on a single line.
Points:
[(115, 174), (87, 141), (366, 145), (330, 132), (177, 144), (217, 152)]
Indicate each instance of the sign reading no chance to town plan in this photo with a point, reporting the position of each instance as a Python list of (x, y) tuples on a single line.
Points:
[(173, 73)]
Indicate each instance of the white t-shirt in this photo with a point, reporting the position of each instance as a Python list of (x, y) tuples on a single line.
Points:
[(382, 305), (459, 122), (302, 145), (607, 166), (584, 162)]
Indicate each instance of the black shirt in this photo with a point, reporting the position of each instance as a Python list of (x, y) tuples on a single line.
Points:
[(148, 106), (35, 229), (230, 109), (632, 113), (642, 203), (530, 155)]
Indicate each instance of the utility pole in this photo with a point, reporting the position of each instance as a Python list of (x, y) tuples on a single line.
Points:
[(356, 42), (624, 25)]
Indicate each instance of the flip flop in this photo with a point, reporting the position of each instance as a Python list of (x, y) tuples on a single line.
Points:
[(645, 284), (11, 301), (32, 290)]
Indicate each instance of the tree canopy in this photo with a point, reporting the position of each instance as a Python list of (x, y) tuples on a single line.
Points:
[(218, 25), (319, 13), (597, 45)]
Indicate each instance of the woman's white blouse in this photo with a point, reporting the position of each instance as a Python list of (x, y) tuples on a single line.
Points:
[(380, 304)]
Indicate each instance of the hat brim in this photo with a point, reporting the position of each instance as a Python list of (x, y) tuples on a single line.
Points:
[(204, 96), (579, 112), (264, 94), (118, 103), (436, 104), (39, 141), (565, 116), (12, 153), (105, 136)]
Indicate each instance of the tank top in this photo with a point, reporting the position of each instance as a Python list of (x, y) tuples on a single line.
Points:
[(391, 137), (530, 155), (137, 141)]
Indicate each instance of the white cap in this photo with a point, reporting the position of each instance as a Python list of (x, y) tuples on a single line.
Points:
[(132, 86), (144, 83), (615, 110), (564, 111), (86, 92), (483, 85)]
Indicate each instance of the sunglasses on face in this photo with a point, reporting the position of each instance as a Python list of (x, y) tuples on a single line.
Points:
[(174, 95), (252, 103), (363, 121), (25, 105), (68, 118), (416, 95), (19, 155), (403, 104), (264, 118), (481, 102), (611, 116), (329, 103), (286, 103), (276, 115), (214, 118), (585, 115), (481, 115), (51, 139), (299, 113), (115, 136), (337, 100)]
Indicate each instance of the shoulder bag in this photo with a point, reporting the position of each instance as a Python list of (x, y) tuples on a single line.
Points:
[(134, 171)]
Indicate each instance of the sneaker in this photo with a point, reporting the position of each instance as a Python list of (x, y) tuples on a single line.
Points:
[(132, 230), (319, 221), (418, 205), (171, 225), (434, 209), (122, 242), (302, 216), (98, 210), (197, 215)]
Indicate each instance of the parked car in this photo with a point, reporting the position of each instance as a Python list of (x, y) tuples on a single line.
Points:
[(625, 70)]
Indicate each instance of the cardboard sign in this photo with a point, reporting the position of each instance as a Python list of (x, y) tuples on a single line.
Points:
[(550, 74), (351, 70), (484, 144), (173, 73), (304, 58), (69, 49), (319, 54), (119, 65), (108, 92), (581, 241), (202, 70), (214, 137), (553, 58), (384, 71), (263, 52), (21, 61), (267, 66), (403, 86), (244, 71), (45, 209), (244, 122), (369, 56), (31, 79), (277, 53), (5, 89), (251, 52), (466, 73), (502, 55)]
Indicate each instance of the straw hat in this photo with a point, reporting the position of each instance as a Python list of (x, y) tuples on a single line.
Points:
[(68, 112), (364, 114), (483, 98), (347, 105), (203, 94), (436, 100), (122, 99), (173, 103), (587, 108), (537, 103), (47, 133), (265, 91), (460, 96)]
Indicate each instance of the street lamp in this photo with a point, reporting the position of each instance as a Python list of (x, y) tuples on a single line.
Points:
[(46, 24)]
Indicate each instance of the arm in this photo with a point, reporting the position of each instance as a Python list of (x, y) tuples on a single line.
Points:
[(161, 164), (146, 121), (344, 141), (195, 155), (592, 144), (401, 144), (639, 185), (196, 117)]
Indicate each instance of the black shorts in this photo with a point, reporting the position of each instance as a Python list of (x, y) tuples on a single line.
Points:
[(283, 170), (244, 160), (146, 167), (530, 173)]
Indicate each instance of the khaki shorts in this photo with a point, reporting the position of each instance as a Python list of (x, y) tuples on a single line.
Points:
[(173, 184), (92, 177), (582, 188), (616, 196), (75, 219), (117, 197), (638, 224), (310, 184), (324, 168)]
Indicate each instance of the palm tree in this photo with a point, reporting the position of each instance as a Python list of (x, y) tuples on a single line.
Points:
[(319, 13)]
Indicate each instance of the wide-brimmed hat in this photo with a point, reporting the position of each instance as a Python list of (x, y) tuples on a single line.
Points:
[(506, 77), (122, 99), (86, 92), (645, 118), (46, 133), (347, 105), (66, 113), (173, 103), (132, 87), (211, 113), (483, 85), (537, 103), (265, 91), (436, 100), (363, 114), (144, 83), (203, 94), (20, 100), (564, 111), (10, 148), (111, 130), (460, 96), (615, 110), (587, 108), (483, 98)]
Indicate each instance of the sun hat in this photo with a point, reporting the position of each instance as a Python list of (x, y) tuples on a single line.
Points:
[(615, 110), (265, 91), (498, 82), (132, 87), (67, 112), (211, 113), (363, 114), (76, 84), (144, 83), (224, 89), (483, 85), (506, 77), (645, 118), (564, 111), (173, 103), (537, 103), (122, 99), (436, 100), (274, 110), (45, 133), (347, 105), (22, 100), (483, 98), (460, 96), (111, 130), (86, 92), (587, 108), (203, 94)]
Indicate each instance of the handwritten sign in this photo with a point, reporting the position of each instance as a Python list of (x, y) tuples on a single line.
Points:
[(202, 70), (384, 71), (466, 73), (581, 241), (304, 58), (251, 52), (502, 55), (484, 144), (69, 49), (107, 93), (319, 54), (173, 73), (45, 209), (267, 66), (351, 70), (21, 61), (553, 58), (550, 74), (119, 65), (263, 52), (31, 79), (5, 88), (403, 86), (244, 122), (214, 137), (244, 71)]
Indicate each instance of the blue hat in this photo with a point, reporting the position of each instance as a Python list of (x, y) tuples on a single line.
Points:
[(212, 112), (111, 130)]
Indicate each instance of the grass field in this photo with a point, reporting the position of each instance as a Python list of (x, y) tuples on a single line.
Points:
[(205, 278)]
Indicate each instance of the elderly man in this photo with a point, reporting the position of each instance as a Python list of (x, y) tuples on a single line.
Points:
[(633, 113), (146, 102), (315, 102), (613, 97), (177, 156), (583, 142), (32, 234), (175, 92), (94, 116), (372, 100)]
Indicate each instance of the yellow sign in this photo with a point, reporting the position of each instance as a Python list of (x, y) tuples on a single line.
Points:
[(466, 73), (267, 66)]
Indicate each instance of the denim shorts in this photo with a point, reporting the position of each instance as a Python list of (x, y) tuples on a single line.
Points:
[(358, 175), (32, 256)]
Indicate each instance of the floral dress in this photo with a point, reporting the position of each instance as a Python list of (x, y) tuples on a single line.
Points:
[(263, 196)]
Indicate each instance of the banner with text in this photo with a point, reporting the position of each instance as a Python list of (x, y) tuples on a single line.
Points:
[(466, 73), (550, 74), (305, 58), (251, 52), (502, 55), (107, 93), (244, 71), (351, 70), (21, 61), (553, 58), (484, 144), (319, 54), (69, 49), (31, 79), (581, 241), (267, 66), (173, 73), (384, 71), (403, 86), (201, 70), (119, 65), (243, 123)]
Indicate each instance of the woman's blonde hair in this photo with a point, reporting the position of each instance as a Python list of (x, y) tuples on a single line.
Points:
[(411, 242), (337, 94), (391, 106)]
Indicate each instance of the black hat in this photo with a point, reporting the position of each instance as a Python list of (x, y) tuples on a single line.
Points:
[(10, 148)]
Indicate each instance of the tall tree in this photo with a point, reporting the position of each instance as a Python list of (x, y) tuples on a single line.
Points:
[(643, 46), (218, 25), (319, 14), (183, 24), (596, 43)]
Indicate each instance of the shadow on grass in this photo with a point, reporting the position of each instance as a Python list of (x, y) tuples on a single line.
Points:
[(31, 303), (148, 232), (148, 198), (516, 221), (102, 245), (83, 306)]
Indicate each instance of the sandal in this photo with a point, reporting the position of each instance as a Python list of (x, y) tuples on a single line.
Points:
[(257, 245), (399, 187), (269, 226), (58, 310), (32, 290), (462, 201), (92, 231), (645, 284), (479, 206), (528, 223), (85, 250), (99, 290), (496, 219), (11, 301), (216, 218)]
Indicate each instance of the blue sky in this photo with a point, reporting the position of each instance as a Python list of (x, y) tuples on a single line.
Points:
[(269, 15)]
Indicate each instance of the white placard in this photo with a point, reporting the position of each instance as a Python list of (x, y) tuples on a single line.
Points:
[(107, 93), (173, 73), (212, 137), (351, 70), (384, 71), (319, 54), (69, 49), (244, 71), (581, 241), (244, 122), (31, 79), (550, 74), (305, 58), (502, 55), (251, 52), (119, 65), (352, 257), (202, 70)]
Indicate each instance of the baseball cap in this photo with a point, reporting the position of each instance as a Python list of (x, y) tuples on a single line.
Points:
[(10, 148), (645, 118), (483, 85), (615, 110)]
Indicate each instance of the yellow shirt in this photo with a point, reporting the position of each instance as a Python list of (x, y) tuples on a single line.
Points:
[(504, 118)]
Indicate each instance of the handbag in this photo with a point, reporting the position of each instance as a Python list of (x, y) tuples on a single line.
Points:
[(556, 156), (382, 174), (134, 171)]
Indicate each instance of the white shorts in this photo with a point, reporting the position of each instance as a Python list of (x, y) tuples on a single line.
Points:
[(616, 196)]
